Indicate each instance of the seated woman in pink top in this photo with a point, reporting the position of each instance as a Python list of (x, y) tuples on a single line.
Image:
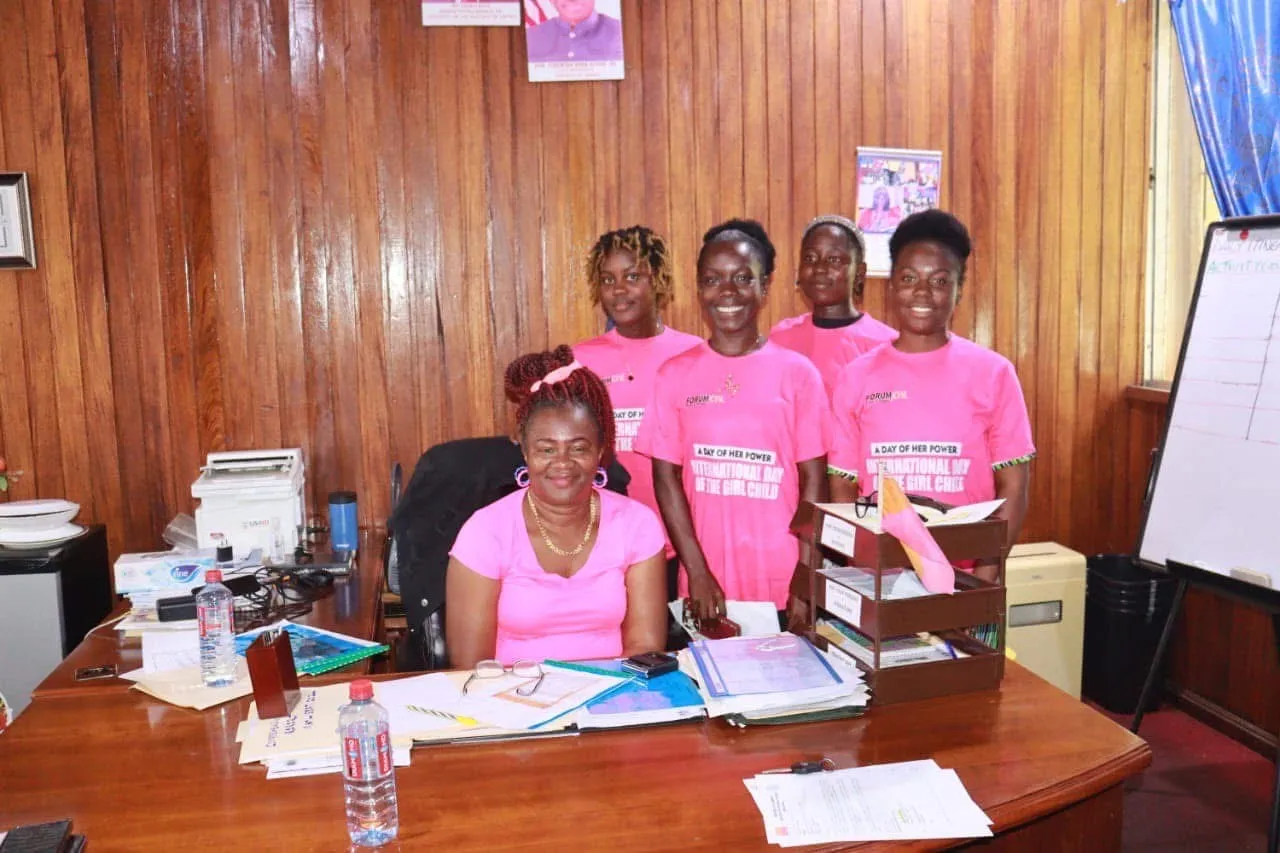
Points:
[(831, 276), (737, 430), (939, 413), (560, 568)]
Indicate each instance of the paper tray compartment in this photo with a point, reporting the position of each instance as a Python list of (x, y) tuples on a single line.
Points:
[(983, 670), (975, 602)]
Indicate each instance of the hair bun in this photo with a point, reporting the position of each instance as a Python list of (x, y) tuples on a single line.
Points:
[(528, 369)]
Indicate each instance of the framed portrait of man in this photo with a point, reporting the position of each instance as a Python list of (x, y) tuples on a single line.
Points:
[(574, 40)]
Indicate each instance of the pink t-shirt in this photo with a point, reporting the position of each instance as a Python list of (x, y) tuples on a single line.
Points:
[(628, 366), (739, 426), (941, 422), (831, 350), (543, 615)]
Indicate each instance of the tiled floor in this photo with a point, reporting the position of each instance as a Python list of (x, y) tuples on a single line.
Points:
[(1204, 792)]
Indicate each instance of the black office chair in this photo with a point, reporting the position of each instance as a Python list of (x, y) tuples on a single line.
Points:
[(450, 482)]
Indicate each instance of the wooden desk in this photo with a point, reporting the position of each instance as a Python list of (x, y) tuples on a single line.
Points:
[(1047, 769), (352, 607)]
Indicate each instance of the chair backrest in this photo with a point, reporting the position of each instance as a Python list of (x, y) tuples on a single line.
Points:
[(450, 482)]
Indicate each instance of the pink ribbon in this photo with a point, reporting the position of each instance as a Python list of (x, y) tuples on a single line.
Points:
[(558, 375)]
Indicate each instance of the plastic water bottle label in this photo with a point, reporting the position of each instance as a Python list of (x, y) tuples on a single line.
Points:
[(211, 619), (355, 757)]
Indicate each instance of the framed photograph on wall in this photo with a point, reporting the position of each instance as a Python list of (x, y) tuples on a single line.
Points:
[(17, 242), (893, 183), (574, 40)]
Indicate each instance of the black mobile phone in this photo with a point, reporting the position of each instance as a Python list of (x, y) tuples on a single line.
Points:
[(89, 673), (650, 664)]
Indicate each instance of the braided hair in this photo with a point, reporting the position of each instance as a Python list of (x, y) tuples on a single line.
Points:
[(580, 388), (748, 230), (646, 247)]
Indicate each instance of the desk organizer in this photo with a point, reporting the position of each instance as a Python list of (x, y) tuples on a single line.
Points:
[(834, 540), (273, 674)]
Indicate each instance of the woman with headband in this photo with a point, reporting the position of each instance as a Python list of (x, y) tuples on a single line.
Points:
[(831, 275), (560, 568), (737, 431)]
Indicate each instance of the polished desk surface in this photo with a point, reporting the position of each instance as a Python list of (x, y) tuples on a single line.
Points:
[(353, 606), (136, 774)]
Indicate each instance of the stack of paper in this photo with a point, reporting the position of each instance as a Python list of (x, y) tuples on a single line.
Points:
[(887, 802), (766, 677), (894, 651), (306, 742), (185, 688), (139, 621), (894, 583), (421, 709), (642, 701), (868, 517)]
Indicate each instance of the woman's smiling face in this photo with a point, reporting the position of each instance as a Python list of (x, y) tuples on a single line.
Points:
[(731, 285)]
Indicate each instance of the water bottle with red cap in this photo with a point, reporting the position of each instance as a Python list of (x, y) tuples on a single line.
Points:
[(372, 814), (215, 617)]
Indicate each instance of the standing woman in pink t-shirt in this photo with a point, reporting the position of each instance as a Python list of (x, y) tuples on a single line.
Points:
[(831, 276), (560, 568), (939, 413), (737, 430), (629, 273)]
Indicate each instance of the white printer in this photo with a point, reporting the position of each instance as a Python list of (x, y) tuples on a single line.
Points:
[(251, 499)]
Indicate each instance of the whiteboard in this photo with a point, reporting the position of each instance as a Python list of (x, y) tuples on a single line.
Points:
[(1215, 498)]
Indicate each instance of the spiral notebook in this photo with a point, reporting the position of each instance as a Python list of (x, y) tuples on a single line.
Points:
[(314, 649)]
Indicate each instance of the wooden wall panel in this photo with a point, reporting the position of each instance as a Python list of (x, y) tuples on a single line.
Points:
[(316, 222)]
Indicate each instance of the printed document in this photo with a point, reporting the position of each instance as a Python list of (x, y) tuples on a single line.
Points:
[(886, 802)]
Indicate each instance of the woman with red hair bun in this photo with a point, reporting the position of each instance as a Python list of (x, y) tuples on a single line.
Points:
[(561, 568)]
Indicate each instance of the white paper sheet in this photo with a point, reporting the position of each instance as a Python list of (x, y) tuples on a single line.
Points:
[(887, 802), (755, 618), (285, 768), (495, 702), (168, 650)]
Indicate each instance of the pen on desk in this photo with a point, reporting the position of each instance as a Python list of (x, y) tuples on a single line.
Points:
[(457, 718), (586, 667)]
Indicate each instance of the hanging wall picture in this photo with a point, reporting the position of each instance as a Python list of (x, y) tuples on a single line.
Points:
[(893, 183), (574, 40), (471, 13), (17, 240)]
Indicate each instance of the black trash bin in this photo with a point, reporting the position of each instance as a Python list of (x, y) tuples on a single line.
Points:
[(1125, 609)]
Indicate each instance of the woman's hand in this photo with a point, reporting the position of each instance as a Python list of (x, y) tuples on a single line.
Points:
[(706, 598)]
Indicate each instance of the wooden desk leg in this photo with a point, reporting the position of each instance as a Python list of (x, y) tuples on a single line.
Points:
[(1149, 685)]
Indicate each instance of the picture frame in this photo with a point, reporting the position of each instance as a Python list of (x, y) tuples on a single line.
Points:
[(893, 183), (17, 237)]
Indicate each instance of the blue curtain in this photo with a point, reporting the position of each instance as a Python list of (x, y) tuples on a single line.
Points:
[(1231, 54)]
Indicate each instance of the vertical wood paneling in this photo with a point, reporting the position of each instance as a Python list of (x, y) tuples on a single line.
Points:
[(318, 223)]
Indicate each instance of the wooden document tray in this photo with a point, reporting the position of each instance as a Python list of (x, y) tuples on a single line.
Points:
[(879, 557)]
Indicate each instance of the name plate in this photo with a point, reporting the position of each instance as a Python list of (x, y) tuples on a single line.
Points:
[(844, 602), (837, 534)]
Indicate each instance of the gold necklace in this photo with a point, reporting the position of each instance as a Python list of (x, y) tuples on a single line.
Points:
[(586, 536)]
